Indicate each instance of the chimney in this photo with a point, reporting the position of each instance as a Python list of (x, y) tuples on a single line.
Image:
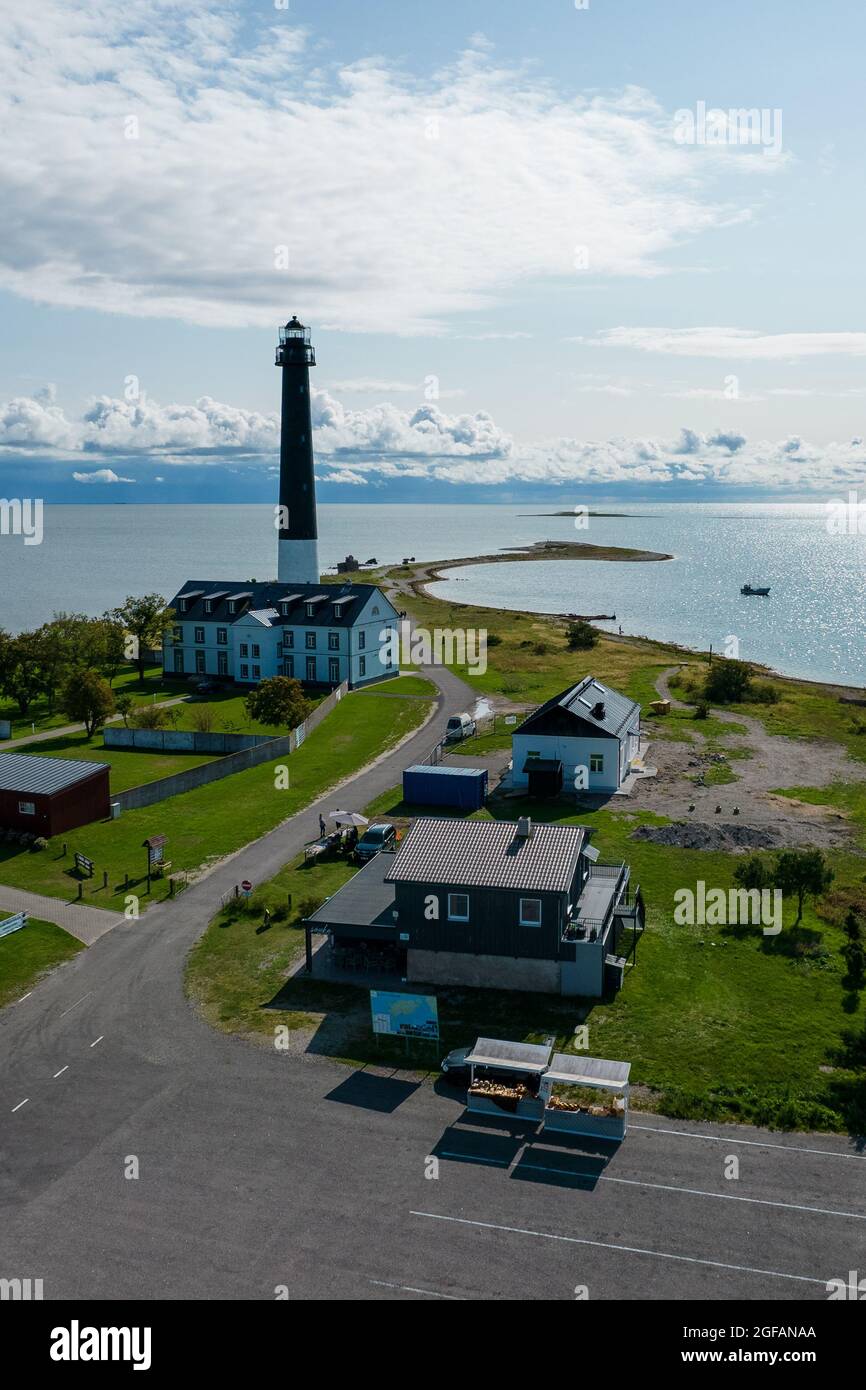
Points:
[(524, 828), (597, 710)]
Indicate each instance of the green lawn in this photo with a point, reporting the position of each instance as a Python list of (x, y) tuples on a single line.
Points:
[(28, 954), (126, 681), (213, 821), (129, 768)]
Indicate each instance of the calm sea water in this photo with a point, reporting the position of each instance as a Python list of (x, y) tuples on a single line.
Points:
[(813, 624)]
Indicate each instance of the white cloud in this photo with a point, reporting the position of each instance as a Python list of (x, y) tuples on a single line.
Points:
[(743, 343), (382, 443), (101, 475), (402, 201)]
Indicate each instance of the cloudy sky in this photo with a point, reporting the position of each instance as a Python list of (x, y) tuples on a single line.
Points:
[(540, 253)]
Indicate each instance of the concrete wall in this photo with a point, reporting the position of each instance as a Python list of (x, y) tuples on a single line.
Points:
[(182, 740), (483, 972), (193, 777), (585, 974)]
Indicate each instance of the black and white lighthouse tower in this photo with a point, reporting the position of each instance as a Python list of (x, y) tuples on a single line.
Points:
[(298, 557)]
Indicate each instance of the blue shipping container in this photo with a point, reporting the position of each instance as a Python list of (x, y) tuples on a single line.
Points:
[(463, 788)]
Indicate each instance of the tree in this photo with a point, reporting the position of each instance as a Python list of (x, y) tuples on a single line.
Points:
[(728, 681), (279, 701), (580, 636), (753, 873), (88, 696), (146, 619), (21, 670), (802, 872), (125, 705)]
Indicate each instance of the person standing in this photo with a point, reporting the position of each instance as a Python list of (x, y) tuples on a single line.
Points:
[(322, 826)]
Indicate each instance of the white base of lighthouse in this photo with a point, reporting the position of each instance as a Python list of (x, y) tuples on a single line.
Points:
[(298, 562)]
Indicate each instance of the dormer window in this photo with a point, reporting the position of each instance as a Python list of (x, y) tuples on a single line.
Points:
[(208, 606), (284, 609), (182, 605), (232, 605), (311, 609)]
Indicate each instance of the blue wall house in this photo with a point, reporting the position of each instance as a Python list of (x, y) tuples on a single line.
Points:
[(588, 726), (247, 632)]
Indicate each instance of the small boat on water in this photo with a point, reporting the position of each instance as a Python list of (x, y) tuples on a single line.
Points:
[(754, 592)]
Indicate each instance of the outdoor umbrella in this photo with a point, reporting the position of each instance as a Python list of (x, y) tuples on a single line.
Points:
[(348, 818)]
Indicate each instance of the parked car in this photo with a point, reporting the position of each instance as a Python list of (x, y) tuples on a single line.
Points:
[(208, 687), (455, 1069), (382, 835), (459, 726)]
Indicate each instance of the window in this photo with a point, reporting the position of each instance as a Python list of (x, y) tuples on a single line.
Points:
[(596, 762), (533, 753), (245, 651), (458, 907), (334, 670), (27, 808), (182, 605), (362, 641), (311, 668), (199, 634), (362, 666), (289, 666), (257, 673), (231, 605), (245, 673), (310, 609), (256, 651), (208, 605), (375, 612), (333, 641), (178, 663), (222, 664), (199, 663), (222, 636), (284, 609), (530, 912), (311, 641), (288, 640), (177, 634)]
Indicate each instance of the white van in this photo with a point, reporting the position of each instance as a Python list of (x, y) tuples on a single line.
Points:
[(459, 726)]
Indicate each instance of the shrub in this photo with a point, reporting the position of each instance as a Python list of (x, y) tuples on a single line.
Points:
[(728, 681), (703, 710), (580, 636), (493, 639), (307, 906), (764, 694), (148, 717), (203, 719), (540, 649)]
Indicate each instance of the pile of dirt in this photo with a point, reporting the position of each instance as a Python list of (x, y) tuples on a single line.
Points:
[(699, 835)]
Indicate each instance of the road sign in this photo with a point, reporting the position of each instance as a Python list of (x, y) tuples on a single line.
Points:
[(84, 864), (246, 888)]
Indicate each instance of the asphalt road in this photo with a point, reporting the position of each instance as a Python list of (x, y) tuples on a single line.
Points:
[(257, 1170)]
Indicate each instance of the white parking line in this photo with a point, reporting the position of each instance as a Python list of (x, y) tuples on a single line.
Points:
[(97, 1040), (19, 1105), (752, 1143), (77, 1002), (627, 1249), (407, 1288), (25, 996), (696, 1192), (60, 1072)]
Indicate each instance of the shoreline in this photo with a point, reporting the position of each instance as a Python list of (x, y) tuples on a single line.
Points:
[(424, 573)]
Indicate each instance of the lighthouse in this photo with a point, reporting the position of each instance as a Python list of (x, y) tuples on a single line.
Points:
[(298, 549)]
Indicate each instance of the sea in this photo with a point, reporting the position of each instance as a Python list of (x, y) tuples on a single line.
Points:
[(813, 624)]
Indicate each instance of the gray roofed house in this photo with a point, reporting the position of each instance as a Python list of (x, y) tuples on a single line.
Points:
[(498, 904), (45, 796), (586, 738), (248, 632), (489, 854), (23, 772)]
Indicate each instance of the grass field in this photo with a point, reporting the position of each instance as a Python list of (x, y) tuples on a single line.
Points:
[(205, 825), (30, 953), (125, 682), (129, 768)]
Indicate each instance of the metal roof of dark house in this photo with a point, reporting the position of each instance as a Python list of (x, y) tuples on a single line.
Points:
[(488, 854), (271, 594), (592, 706), (367, 899), (22, 772)]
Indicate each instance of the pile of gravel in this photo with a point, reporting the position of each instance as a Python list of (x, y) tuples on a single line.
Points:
[(697, 835)]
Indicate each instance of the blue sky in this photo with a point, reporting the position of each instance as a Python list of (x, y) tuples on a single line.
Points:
[(520, 280)]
